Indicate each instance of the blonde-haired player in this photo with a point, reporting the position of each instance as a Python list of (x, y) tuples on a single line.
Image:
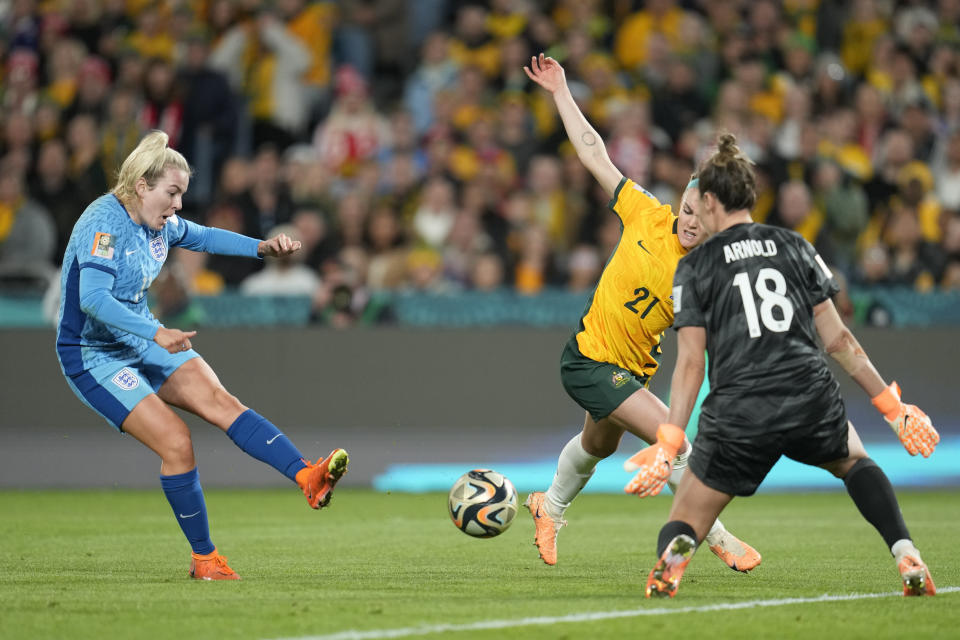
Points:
[(125, 365), (608, 362)]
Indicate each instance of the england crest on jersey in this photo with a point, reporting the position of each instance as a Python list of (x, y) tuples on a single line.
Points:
[(126, 379), (158, 250)]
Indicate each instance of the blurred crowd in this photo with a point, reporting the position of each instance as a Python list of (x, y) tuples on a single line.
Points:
[(402, 143)]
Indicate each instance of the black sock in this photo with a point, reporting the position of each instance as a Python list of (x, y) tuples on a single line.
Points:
[(873, 494), (670, 531)]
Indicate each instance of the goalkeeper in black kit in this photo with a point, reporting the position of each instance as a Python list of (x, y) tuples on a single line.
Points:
[(758, 300)]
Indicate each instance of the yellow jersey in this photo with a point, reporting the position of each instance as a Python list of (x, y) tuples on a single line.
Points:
[(631, 306)]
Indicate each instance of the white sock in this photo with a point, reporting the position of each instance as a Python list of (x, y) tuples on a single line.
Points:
[(903, 547), (679, 464), (716, 533), (574, 468)]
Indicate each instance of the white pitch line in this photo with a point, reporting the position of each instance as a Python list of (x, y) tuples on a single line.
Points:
[(376, 634)]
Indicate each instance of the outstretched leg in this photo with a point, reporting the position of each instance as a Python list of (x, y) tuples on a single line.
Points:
[(873, 494), (195, 387)]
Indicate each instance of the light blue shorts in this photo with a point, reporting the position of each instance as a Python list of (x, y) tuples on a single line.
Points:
[(114, 388)]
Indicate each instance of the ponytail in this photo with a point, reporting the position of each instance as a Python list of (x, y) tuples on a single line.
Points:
[(148, 161)]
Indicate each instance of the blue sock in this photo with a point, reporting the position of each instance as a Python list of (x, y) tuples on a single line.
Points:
[(261, 439), (186, 497)]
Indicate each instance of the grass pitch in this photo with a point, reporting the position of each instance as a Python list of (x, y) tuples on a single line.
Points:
[(112, 564)]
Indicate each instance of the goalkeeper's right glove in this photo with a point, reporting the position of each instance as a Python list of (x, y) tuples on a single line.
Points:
[(654, 464), (911, 425)]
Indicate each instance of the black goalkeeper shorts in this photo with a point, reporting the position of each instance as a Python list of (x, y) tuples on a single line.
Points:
[(737, 467)]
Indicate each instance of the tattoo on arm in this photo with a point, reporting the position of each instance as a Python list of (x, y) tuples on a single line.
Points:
[(588, 138)]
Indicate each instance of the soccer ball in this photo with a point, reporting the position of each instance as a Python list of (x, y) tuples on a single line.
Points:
[(482, 503)]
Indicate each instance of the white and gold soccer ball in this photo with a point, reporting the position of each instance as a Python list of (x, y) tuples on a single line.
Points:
[(482, 503)]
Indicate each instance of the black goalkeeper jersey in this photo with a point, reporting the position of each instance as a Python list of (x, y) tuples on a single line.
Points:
[(753, 288)]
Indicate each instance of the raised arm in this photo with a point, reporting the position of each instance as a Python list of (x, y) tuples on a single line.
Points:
[(911, 425), (548, 73)]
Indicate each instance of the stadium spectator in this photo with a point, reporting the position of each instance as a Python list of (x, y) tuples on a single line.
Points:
[(150, 38), (947, 174), (314, 24), (232, 270), (844, 205), (313, 232), (284, 275), (473, 45), (273, 61), (162, 107), (436, 72), (680, 103), (47, 121), (434, 217), (18, 142), (266, 203), (86, 159), (354, 131), (424, 267), (372, 38), (914, 261), (464, 244), (633, 35), (121, 130), (385, 269), (583, 268), (896, 151), (20, 82), (486, 273), (92, 94), (795, 211), (61, 72), (53, 189), (210, 119), (28, 237)]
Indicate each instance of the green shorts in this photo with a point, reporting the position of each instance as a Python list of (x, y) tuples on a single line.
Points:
[(598, 387)]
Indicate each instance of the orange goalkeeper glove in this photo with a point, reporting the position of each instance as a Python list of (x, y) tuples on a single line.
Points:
[(654, 464), (911, 425)]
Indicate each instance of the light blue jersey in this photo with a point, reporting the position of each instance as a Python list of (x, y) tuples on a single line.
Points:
[(111, 361), (106, 238)]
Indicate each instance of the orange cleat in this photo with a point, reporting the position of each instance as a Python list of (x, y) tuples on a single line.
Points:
[(317, 480), (665, 577), (548, 529), (211, 566), (735, 553), (916, 577)]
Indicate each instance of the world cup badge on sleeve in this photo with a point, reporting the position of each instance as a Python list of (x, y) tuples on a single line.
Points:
[(103, 244)]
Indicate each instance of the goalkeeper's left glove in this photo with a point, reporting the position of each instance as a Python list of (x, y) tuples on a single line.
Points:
[(654, 464), (911, 425)]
